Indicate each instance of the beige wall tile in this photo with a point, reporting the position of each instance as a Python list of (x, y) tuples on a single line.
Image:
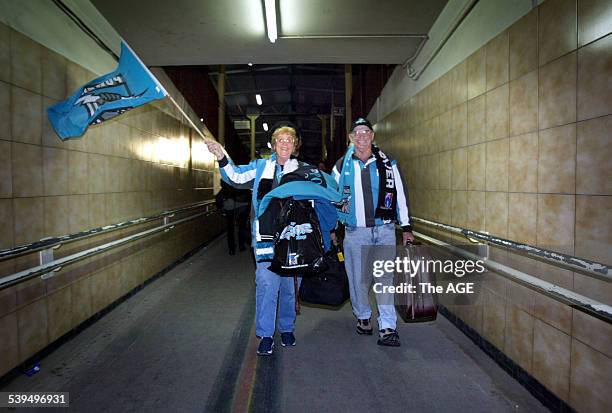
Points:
[(476, 120), (553, 312), (459, 208), (592, 332), (556, 29), (476, 156), (6, 223), (524, 45), (594, 18), (459, 83), (5, 53), (26, 116), (497, 55), (459, 125), (60, 313), (9, 345), (593, 288), (594, 157), (6, 170), (27, 170), (593, 229), (445, 131), (497, 113), (555, 222), (96, 173), (55, 171), (524, 104), (97, 210), (81, 300), (26, 57), (496, 222), (595, 79), (591, 374), (444, 205), (494, 319), (520, 297), (53, 75), (29, 220), (476, 210), (78, 218), (497, 165), (476, 73), (78, 179), (5, 111), (557, 160), (32, 321), (555, 275), (459, 173), (551, 358), (519, 336), (557, 92), (445, 170), (523, 163), (56, 215), (445, 88), (522, 217)]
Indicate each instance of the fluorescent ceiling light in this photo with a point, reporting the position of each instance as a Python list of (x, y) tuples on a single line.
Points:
[(258, 99), (265, 126), (270, 9)]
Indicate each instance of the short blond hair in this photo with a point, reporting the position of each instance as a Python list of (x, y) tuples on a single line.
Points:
[(284, 130)]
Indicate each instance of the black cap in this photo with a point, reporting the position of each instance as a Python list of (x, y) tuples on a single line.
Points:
[(361, 122)]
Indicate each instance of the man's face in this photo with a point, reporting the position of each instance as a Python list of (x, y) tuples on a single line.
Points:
[(284, 145), (362, 137)]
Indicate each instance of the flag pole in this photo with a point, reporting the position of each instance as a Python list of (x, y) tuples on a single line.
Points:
[(158, 83)]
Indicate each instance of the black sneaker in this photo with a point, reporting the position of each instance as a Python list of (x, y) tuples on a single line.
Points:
[(287, 339), (388, 337), (266, 346), (364, 326)]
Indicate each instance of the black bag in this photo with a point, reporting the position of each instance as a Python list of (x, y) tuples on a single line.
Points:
[(329, 287), (298, 243)]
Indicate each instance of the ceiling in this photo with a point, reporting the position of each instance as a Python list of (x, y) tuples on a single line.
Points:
[(298, 79), (207, 32)]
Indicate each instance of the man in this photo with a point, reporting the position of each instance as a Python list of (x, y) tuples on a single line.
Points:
[(375, 197)]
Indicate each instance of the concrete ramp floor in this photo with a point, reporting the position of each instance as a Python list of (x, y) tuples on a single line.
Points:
[(185, 343)]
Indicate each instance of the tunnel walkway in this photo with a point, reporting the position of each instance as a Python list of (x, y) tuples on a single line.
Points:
[(186, 343)]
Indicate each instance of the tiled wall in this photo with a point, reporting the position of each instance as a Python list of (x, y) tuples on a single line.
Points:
[(135, 165), (516, 140)]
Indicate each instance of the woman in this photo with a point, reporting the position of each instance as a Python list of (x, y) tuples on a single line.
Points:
[(262, 176)]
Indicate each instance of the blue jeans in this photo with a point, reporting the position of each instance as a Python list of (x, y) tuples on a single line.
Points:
[(268, 287), (360, 277)]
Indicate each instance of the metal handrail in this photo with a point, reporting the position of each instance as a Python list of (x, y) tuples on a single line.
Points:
[(580, 302), (48, 270), (54, 242), (593, 268)]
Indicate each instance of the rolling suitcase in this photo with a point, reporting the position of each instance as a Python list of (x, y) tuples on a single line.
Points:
[(419, 306)]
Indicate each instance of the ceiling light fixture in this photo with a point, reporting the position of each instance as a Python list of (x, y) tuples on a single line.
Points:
[(258, 99), (265, 126), (270, 10), (250, 64)]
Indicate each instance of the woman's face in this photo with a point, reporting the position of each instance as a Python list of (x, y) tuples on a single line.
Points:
[(284, 146)]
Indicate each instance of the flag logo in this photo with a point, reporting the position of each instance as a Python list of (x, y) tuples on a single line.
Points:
[(129, 86)]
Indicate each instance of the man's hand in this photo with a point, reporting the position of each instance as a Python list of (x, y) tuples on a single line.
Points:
[(407, 237), (216, 149), (333, 238)]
